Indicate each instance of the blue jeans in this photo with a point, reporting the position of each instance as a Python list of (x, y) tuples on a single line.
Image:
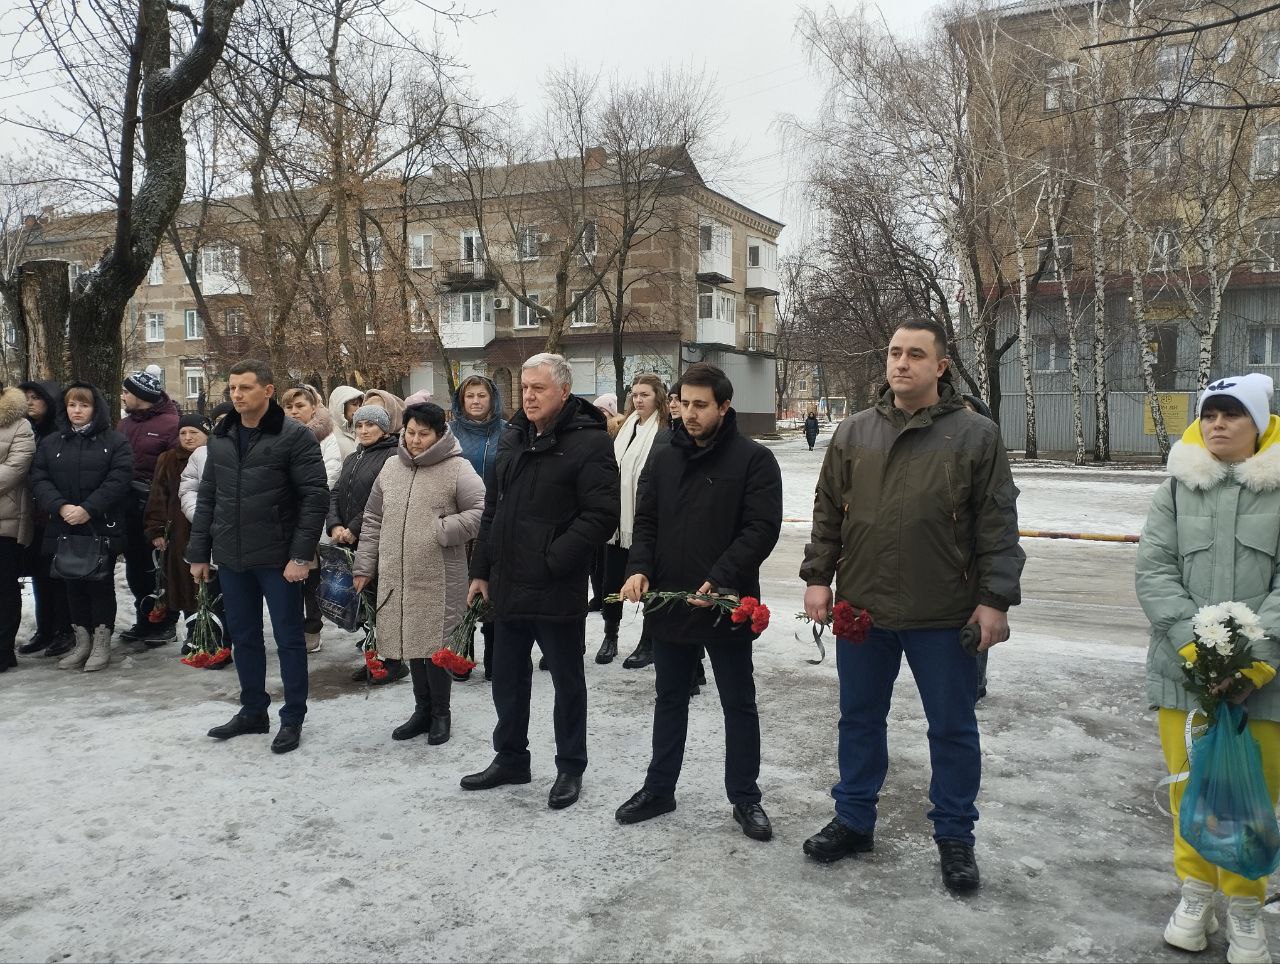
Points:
[(947, 678), (242, 594)]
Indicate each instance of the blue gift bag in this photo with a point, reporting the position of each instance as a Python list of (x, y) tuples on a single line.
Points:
[(338, 599), (1226, 812)]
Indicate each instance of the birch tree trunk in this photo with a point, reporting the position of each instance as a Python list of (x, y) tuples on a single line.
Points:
[(1073, 342), (1101, 398)]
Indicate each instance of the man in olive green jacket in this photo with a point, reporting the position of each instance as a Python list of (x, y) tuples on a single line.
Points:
[(915, 517)]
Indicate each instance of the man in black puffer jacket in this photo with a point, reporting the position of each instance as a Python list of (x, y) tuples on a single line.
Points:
[(262, 505), (551, 501), (708, 513)]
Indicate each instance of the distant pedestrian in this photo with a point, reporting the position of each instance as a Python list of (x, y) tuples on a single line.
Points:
[(708, 515), (811, 428), (259, 515), (17, 514), (553, 500), (915, 517)]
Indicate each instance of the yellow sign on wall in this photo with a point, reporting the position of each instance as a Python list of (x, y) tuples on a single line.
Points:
[(1176, 409)]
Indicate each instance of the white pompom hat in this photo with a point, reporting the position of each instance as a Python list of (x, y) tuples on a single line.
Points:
[(1253, 391)]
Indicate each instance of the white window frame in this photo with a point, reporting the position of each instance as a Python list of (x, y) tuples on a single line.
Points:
[(706, 302), (1059, 87), (154, 324), (374, 246), (727, 308), (753, 317), (420, 254), (218, 259), (233, 322), (713, 236), (477, 246), (590, 239), (74, 270), (1268, 245), (324, 255), (1269, 57), (584, 315), (10, 334), (470, 308), (1066, 254), (1270, 354), (155, 274), (188, 373), (369, 327), (524, 317), (1266, 151), (418, 321), (192, 328), (1172, 69), (1057, 350), (527, 246), (1166, 248)]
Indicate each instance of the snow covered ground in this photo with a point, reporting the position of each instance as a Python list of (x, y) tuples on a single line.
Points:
[(131, 836)]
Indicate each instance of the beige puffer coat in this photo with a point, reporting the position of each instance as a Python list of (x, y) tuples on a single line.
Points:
[(17, 449), (421, 513)]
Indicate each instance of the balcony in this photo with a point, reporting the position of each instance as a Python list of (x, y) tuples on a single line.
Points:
[(762, 342), (467, 275), (713, 332), (467, 334), (715, 267), (762, 281)]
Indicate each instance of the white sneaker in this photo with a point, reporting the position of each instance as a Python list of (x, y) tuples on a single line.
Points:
[(313, 642), (1246, 932), (1193, 919)]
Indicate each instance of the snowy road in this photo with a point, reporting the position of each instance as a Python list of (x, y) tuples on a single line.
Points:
[(130, 836)]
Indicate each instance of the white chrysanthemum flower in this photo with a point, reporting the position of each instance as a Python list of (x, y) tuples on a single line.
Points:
[(1208, 616), (1238, 611), (1225, 647)]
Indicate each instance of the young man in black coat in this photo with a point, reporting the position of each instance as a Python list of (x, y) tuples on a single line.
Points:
[(708, 513), (262, 504), (550, 502)]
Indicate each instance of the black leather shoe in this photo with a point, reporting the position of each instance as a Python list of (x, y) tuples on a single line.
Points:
[(135, 633), (440, 727), (396, 670), (608, 650), (836, 840), (564, 792), (494, 775), (240, 724), (959, 868), (415, 725), (642, 656), (644, 805), (62, 644), (361, 675), (159, 636), (753, 821), (595, 604), (37, 644), (287, 739), (461, 677)]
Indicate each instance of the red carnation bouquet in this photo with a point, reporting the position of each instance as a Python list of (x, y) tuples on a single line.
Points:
[(459, 654), (846, 622), (159, 610), (369, 644), (741, 612), (207, 646)]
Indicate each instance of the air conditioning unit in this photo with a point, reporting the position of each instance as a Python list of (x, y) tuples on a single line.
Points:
[(544, 238), (500, 303)]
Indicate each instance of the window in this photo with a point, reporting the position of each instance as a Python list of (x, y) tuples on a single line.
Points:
[(369, 328), (1267, 255), (1160, 158), (1166, 248), (1049, 264), (233, 322), (10, 334), (218, 259), (194, 381), (1173, 65), (584, 316), (420, 250), (526, 317), (526, 242), (193, 324), (471, 245), (1264, 345), (588, 244), (753, 317), (753, 256), (706, 302), (74, 270), (155, 325), (1269, 57), (417, 316), (374, 247), (1266, 151), (714, 238), (155, 276), (1053, 353), (727, 309), (1059, 87), (473, 307), (323, 256)]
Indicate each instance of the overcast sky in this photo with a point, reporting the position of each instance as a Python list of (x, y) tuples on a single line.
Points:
[(750, 48)]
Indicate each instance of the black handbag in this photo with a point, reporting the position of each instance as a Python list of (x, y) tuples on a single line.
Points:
[(81, 557)]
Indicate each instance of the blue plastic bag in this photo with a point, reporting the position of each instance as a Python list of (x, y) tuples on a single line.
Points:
[(337, 597), (1226, 812)]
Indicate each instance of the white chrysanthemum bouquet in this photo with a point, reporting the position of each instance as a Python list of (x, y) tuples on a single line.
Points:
[(1221, 652)]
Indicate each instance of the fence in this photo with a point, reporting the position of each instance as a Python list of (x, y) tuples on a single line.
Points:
[(1130, 423)]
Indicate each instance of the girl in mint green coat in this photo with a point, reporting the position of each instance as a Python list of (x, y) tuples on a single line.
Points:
[(1213, 535)]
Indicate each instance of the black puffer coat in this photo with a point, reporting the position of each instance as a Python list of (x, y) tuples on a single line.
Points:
[(269, 507), (51, 392), (708, 514), (355, 482), (92, 469), (553, 502)]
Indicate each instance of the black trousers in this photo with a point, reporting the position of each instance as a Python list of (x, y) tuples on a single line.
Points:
[(675, 664), (613, 572), (10, 593), (563, 644), (139, 568), (312, 621), (92, 602)]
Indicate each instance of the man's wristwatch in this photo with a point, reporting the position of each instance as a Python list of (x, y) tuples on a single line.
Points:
[(301, 562)]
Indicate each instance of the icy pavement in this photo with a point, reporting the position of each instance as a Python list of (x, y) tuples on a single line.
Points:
[(131, 836)]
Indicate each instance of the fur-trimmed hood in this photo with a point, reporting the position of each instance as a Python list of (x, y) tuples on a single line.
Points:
[(321, 423), (1195, 467), (13, 406)]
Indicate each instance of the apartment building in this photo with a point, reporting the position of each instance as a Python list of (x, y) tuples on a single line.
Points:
[(435, 260)]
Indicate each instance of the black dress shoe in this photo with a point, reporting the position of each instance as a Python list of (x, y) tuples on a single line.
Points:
[(753, 821), (608, 650), (240, 724), (135, 633), (62, 644), (494, 775), (836, 840), (461, 677), (8, 660), (36, 644), (440, 726), (397, 670), (288, 738), (564, 792), (159, 635), (361, 675), (645, 805), (415, 725), (642, 656), (959, 868)]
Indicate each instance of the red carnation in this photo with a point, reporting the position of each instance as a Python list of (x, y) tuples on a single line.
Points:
[(760, 619), (740, 615), (842, 620), (157, 614), (218, 658)]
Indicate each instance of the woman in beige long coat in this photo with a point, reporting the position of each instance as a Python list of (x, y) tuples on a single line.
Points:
[(424, 508), (17, 515)]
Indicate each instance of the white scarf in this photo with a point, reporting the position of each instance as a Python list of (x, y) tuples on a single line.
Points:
[(632, 454)]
